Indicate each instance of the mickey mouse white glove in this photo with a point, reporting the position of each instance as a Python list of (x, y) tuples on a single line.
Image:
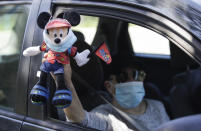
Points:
[(81, 58), (31, 51)]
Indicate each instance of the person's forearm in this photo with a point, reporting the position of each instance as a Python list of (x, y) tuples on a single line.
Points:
[(75, 111)]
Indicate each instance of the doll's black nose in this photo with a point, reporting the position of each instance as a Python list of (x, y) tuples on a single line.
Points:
[(57, 40)]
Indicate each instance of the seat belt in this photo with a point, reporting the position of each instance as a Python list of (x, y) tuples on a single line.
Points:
[(124, 117)]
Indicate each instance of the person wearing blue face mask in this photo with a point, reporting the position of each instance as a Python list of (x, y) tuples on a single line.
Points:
[(129, 95), (127, 92)]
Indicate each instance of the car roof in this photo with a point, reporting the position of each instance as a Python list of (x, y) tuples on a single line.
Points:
[(186, 13)]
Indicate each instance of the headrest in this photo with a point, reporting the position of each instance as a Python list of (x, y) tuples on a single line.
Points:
[(189, 78), (79, 35), (185, 94)]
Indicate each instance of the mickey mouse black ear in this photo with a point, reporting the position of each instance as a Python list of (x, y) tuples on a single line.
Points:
[(43, 19), (61, 15), (72, 16)]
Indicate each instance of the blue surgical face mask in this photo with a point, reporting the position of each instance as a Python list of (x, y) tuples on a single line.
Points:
[(65, 43), (130, 94)]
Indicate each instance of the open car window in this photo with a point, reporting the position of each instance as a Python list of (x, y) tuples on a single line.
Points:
[(93, 75), (125, 37)]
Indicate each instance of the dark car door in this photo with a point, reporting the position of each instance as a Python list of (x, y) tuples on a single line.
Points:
[(13, 19)]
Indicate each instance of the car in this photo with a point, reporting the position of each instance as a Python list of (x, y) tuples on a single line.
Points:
[(161, 37)]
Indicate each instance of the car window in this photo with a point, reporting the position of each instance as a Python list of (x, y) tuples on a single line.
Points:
[(12, 25), (148, 42), (88, 27)]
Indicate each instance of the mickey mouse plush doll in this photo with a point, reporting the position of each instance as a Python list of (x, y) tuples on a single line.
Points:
[(58, 42)]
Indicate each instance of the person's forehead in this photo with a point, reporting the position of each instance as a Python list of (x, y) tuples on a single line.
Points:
[(127, 69)]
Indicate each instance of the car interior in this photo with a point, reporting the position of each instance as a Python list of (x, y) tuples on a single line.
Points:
[(174, 80)]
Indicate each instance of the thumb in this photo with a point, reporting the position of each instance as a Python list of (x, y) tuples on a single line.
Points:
[(86, 52)]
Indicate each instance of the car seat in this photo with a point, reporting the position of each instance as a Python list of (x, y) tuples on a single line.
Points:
[(185, 93), (90, 74)]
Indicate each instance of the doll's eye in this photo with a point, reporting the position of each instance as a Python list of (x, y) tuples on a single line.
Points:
[(55, 35), (61, 33)]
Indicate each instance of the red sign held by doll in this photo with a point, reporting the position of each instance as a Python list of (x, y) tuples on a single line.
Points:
[(104, 53)]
